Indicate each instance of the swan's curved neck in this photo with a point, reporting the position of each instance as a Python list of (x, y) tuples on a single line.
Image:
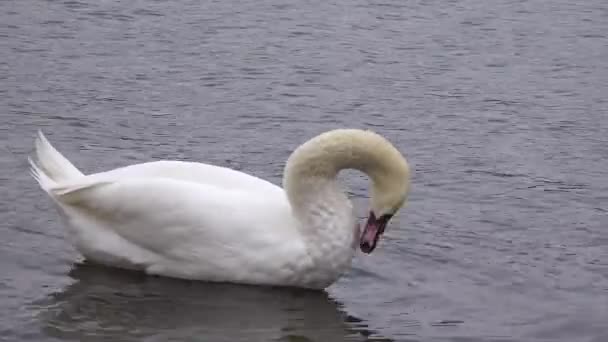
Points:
[(312, 168), (322, 210)]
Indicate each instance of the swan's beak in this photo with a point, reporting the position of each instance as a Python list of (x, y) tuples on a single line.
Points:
[(372, 231)]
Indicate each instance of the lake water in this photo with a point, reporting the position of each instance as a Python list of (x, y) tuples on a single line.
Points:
[(500, 107)]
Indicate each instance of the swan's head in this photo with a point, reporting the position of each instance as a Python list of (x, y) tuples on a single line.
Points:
[(390, 178)]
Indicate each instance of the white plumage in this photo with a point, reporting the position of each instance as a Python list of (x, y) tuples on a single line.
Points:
[(204, 222)]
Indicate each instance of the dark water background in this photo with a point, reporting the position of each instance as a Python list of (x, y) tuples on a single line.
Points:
[(500, 106)]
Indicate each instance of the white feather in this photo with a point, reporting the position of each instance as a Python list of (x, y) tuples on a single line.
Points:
[(204, 222), (54, 165)]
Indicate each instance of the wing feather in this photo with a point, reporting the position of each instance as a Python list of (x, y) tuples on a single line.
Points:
[(183, 220)]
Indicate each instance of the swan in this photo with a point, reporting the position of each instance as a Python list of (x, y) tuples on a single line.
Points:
[(203, 222)]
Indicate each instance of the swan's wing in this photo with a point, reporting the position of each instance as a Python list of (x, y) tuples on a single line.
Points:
[(221, 177), (188, 222)]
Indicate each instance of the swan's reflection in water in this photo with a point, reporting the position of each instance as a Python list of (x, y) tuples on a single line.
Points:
[(114, 305)]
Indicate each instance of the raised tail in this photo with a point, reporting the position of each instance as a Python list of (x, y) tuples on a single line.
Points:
[(51, 167)]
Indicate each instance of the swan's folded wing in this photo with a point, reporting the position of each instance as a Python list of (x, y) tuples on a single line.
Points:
[(213, 175), (181, 220)]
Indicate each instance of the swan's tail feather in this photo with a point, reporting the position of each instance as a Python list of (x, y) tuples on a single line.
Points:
[(43, 180), (50, 167)]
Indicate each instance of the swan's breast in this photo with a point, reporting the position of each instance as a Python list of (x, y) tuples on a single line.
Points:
[(331, 240)]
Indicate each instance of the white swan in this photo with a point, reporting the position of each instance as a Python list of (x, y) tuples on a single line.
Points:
[(204, 222)]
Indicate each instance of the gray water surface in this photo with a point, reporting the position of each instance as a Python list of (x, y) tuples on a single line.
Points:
[(500, 107)]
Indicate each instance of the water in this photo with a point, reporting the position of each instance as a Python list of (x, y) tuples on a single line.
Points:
[(500, 107)]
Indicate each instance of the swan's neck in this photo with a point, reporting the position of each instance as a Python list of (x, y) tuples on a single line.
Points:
[(321, 207), (325, 215), (316, 164), (326, 223), (323, 212)]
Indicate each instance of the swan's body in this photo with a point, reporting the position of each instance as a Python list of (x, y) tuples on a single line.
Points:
[(204, 222)]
